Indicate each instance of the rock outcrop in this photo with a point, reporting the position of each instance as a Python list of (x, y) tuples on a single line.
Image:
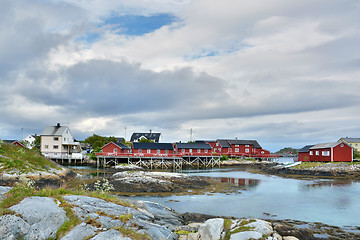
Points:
[(142, 181)]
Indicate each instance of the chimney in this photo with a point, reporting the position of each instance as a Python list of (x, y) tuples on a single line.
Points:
[(58, 125), (150, 131)]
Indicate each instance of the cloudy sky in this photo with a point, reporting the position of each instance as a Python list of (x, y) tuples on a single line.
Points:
[(286, 73)]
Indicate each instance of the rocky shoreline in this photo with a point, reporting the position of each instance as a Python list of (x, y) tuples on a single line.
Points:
[(41, 217), (342, 170)]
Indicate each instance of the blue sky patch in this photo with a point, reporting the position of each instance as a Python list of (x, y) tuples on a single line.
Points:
[(137, 25)]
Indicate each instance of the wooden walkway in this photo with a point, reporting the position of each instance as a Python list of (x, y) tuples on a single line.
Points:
[(161, 162)]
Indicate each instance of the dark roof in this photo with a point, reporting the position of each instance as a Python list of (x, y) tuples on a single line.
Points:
[(224, 143), (305, 149), (54, 130), (150, 136), (162, 146), (254, 143), (196, 145), (121, 145)]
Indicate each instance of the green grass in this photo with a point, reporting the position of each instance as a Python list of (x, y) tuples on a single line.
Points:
[(128, 232), (22, 160), (308, 165)]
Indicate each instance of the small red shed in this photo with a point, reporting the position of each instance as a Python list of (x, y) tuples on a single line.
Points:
[(115, 149), (331, 152)]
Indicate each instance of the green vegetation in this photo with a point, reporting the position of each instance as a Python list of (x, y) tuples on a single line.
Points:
[(97, 142), (22, 160), (307, 165), (182, 232), (224, 158), (356, 154), (128, 232), (144, 140)]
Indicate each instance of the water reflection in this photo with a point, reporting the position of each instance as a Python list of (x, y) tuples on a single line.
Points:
[(329, 184), (239, 182)]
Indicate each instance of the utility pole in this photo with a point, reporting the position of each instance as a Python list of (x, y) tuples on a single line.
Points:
[(125, 133), (190, 134)]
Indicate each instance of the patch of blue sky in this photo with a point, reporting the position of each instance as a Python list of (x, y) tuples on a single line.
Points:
[(231, 49), (137, 25), (88, 38)]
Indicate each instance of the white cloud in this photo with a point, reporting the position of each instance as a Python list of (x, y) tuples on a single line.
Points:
[(274, 71)]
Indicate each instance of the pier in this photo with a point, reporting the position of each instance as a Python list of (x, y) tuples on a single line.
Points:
[(162, 162)]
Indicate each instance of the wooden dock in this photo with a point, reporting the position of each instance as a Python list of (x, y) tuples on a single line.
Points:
[(160, 162)]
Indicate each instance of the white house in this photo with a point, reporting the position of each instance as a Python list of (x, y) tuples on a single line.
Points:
[(57, 141)]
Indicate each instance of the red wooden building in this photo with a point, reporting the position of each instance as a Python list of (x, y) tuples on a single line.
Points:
[(246, 148), (330, 152), (115, 149), (153, 149), (304, 153), (193, 149)]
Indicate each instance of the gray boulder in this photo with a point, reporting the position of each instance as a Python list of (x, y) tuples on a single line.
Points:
[(13, 227), (89, 206), (211, 229), (112, 234), (80, 232), (246, 235), (43, 215), (163, 215)]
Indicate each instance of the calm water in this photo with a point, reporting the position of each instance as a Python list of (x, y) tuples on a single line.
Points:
[(334, 202)]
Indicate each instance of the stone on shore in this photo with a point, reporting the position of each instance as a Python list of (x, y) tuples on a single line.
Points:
[(43, 214), (211, 229), (80, 232)]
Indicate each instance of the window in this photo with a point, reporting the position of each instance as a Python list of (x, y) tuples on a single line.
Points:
[(317, 153), (55, 147), (199, 150), (311, 153), (262, 152), (247, 150), (217, 144), (236, 145), (236, 150), (342, 145), (246, 145), (115, 150), (158, 150), (183, 150), (149, 151), (206, 151), (56, 138), (140, 150), (325, 153), (167, 151), (46, 146), (190, 150)]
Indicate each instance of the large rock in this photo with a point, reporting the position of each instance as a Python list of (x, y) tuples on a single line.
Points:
[(89, 207), (80, 232), (103, 212), (211, 229), (164, 216), (246, 235), (111, 234), (261, 226), (13, 227), (43, 215)]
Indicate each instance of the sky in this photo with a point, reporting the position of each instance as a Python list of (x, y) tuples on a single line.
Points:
[(285, 73)]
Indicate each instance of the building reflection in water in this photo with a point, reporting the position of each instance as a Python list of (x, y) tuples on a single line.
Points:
[(239, 182)]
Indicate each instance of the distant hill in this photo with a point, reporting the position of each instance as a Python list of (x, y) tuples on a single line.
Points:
[(288, 151)]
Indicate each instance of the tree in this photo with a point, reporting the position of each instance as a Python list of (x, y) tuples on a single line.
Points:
[(145, 140), (97, 142)]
